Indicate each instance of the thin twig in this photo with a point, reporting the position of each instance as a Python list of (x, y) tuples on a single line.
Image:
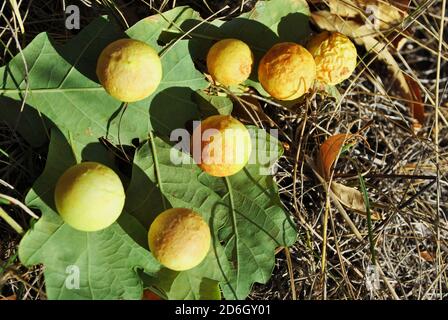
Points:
[(20, 204)]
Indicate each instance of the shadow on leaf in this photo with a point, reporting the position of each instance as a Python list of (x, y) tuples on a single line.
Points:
[(83, 50), (31, 125), (171, 109), (140, 198), (294, 27)]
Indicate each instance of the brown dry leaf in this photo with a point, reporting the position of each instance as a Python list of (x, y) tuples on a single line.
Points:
[(329, 151), (385, 15), (346, 8), (417, 106), (364, 35), (425, 255), (398, 41), (334, 199), (349, 197), (382, 14), (352, 199), (13, 297), (149, 295)]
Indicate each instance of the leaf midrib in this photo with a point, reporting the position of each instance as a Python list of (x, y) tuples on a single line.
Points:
[(163, 84), (235, 229), (156, 168)]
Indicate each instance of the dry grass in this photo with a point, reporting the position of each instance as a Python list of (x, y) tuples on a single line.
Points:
[(411, 243), (405, 172)]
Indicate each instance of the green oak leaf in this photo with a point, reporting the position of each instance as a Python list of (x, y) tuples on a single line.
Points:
[(156, 185), (268, 23), (62, 87), (288, 19), (80, 265), (243, 212), (210, 105), (156, 29), (257, 224)]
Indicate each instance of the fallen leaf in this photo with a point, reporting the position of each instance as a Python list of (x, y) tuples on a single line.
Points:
[(382, 14), (334, 199), (398, 40), (425, 255), (329, 151), (417, 106), (13, 297), (352, 199), (363, 35), (149, 295), (348, 9), (349, 197)]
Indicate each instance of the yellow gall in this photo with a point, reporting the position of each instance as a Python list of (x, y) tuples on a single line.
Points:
[(89, 196), (129, 70), (230, 61), (179, 239), (221, 145)]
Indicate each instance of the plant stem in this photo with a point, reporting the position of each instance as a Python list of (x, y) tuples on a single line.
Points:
[(369, 218), (235, 229), (11, 221)]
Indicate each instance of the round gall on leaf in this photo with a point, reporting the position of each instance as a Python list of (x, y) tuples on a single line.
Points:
[(287, 71), (221, 145), (89, 196), (335, 57), (229, 62), (129, 70), (179, 239)]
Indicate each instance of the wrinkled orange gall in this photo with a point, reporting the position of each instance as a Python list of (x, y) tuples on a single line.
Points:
[(287, 71), (335, 56)]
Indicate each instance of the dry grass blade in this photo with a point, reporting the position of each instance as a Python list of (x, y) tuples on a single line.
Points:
[(7, 218), (291, 274), (441, 264), (17, 15), (20, 204)]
